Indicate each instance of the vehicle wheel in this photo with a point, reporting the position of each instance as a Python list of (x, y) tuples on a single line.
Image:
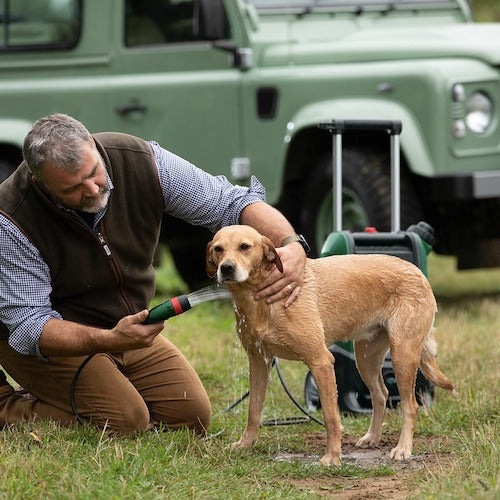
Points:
[(366, 197), (6, 168), (187, 246)]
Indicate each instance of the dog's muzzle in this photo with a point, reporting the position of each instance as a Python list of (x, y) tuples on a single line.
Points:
[(227, 270)]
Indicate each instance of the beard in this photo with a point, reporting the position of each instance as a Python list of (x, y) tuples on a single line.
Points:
[(96, 203)]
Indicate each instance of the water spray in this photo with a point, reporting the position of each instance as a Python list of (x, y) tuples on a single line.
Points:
[(182, 303), (178, 305)]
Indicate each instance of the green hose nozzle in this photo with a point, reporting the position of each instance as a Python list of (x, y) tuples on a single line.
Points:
[(168, 309)]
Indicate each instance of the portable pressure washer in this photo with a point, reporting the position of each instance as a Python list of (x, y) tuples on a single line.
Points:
[(412, 245)]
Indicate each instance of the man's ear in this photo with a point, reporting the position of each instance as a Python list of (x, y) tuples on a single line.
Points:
[(271, 254), (210, 267)]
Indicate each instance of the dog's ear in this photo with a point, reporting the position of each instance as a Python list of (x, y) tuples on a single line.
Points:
[(271, 254), (210, 266)]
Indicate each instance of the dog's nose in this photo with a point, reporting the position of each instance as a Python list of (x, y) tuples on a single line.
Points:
[(227, 268)]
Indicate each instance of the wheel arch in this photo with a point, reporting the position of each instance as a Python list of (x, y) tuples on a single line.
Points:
[(305, 141)]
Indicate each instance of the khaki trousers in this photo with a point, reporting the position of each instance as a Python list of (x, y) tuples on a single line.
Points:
[(126, 392)]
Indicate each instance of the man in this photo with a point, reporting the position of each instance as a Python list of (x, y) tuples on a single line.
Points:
[(79, 223)]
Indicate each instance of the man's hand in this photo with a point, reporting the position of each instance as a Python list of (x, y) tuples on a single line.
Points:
[(272, 223), (131, 333), (67, 338), (288, 283)]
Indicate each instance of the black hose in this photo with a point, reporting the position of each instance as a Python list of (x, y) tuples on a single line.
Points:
[(237, 402), (272, 422), (72, 389), (294, 401), (286, 421)]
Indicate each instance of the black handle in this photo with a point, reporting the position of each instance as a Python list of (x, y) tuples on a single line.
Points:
[(392, 127), (130, 108)]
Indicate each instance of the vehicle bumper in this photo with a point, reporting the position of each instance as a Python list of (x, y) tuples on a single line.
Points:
[(466, 211), (473, 186)]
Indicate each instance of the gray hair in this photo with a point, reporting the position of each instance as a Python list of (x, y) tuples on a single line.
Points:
[(57, 140)]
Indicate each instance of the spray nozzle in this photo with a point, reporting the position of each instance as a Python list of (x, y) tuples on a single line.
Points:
[(182, 303), (168, 309)]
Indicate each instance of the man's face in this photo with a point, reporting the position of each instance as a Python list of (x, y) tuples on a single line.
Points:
[(86, 189)]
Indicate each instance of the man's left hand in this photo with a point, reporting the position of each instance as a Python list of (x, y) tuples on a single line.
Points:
[(287, 284)]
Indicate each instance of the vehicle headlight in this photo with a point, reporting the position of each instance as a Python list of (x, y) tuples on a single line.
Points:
[(479, 112)]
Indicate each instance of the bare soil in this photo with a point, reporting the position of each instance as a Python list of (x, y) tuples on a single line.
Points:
[(396, 486)]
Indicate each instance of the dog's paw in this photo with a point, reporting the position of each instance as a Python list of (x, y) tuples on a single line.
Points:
[(243, 443), (400, 453), (330, 459), (368, 441)]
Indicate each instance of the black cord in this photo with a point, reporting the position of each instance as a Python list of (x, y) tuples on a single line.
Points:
[(274, 422), (294, 401), (237, 402), (72, 388), (286, 421)]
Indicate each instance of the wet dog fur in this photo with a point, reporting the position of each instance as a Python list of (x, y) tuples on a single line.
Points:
[(380, 302)]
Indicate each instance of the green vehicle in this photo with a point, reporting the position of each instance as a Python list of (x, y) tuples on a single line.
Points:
[(238, 87)]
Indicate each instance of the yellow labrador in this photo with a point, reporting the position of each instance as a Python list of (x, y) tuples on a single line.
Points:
[(378, 301)]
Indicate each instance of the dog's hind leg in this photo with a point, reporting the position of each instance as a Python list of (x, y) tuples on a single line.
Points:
[(324, 375), (405, 359), (369, 357), (259, 366)]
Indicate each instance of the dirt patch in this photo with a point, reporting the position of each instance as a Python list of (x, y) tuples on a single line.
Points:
[(396, 486), (393, 487)]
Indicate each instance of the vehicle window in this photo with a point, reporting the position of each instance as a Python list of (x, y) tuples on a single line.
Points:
[(32, 24), (358, 4), (153, 22)]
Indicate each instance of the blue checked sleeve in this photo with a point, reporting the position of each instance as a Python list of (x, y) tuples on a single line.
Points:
[(25, 304), (199, 198)]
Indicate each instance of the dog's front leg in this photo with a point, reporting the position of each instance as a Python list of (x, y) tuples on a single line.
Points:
[(259, 366), (324, 376)]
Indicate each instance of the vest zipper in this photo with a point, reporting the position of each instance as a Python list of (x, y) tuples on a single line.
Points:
[(116, 270), (104, 244)]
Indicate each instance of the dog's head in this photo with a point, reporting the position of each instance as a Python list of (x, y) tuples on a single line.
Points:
[(240, 254)]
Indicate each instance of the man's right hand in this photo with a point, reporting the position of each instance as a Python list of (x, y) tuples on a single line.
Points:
[(131, 332), (66, 338)]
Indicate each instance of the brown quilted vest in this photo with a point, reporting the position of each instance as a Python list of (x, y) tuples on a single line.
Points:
[(91, 284)]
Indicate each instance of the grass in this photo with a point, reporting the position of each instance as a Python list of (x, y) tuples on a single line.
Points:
[(486, 10), (467, 330), (42, 460)]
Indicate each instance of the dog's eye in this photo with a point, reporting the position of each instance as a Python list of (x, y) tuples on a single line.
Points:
[(244, 246), (218, 249)]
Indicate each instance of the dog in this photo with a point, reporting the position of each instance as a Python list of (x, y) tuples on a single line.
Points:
[(380, 302)]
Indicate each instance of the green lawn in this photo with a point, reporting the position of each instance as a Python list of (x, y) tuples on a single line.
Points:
[(461, 434)]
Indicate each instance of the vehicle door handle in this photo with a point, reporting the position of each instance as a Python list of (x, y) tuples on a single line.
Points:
[(130, 108)]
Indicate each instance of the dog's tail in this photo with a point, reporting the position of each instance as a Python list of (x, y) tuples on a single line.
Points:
[(429, 366)]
